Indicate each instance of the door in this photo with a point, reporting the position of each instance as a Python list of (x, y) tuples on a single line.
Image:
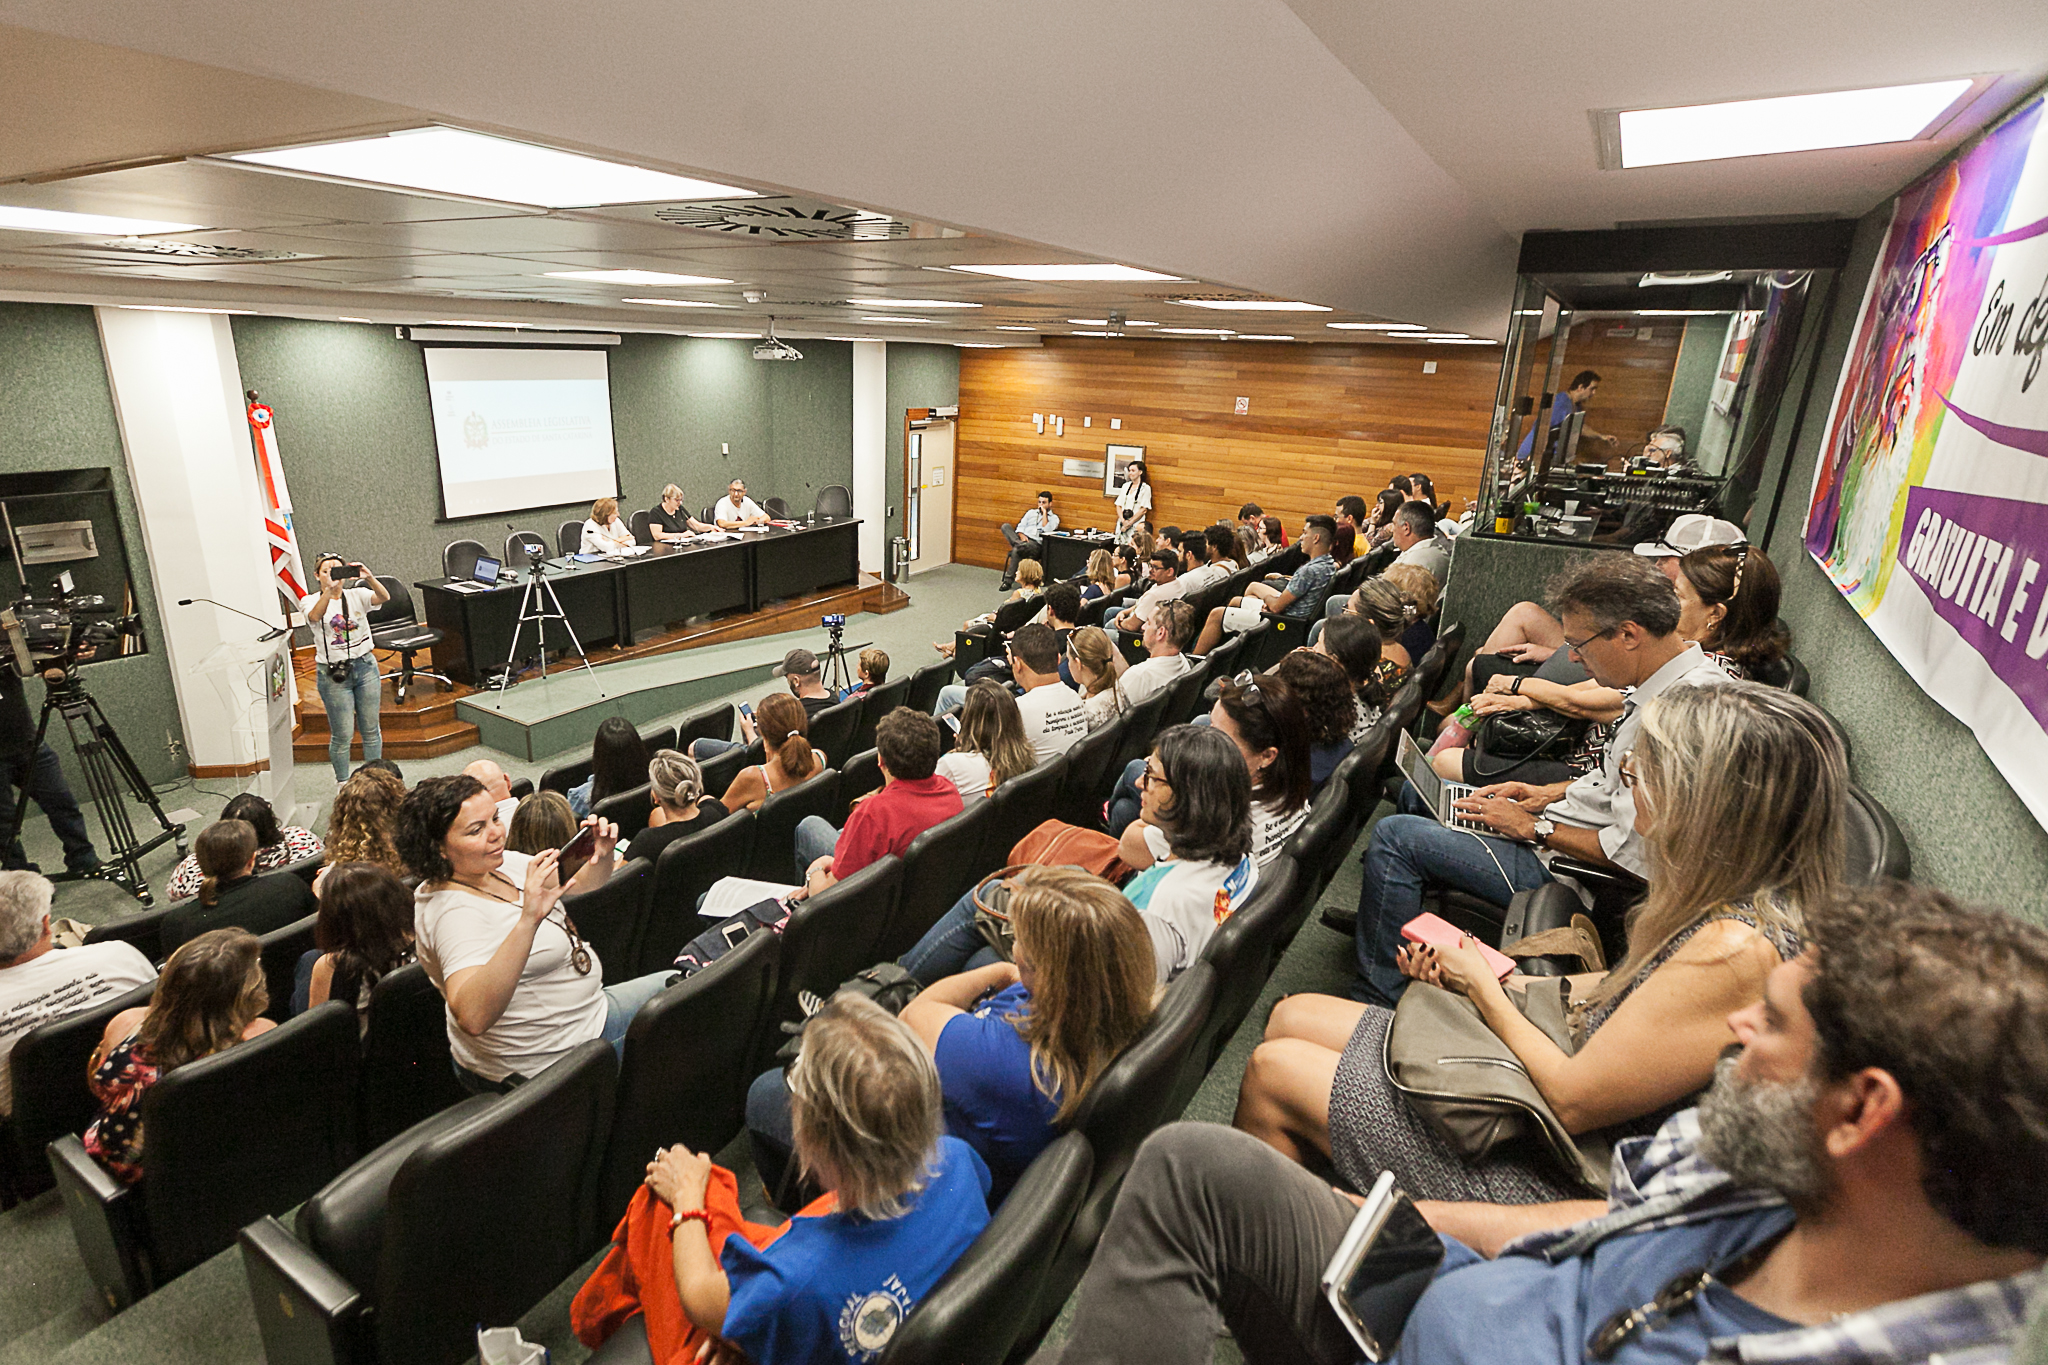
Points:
[(929, 480)]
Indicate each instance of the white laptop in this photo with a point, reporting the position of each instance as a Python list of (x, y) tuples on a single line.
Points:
[(1436, 793), (482, 579)]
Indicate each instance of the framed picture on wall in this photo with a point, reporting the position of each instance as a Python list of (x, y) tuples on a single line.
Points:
[(1117, 459)]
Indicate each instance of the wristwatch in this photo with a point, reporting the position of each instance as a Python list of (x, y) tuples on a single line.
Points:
[(1544, 829)]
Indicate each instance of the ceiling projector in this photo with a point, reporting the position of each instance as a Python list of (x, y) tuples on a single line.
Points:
[(771, 349)]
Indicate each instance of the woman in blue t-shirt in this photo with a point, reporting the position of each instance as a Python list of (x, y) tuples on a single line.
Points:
[(910, 1200)]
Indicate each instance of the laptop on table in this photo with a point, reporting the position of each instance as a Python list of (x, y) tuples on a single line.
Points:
[(1436, 793), (483, 578)]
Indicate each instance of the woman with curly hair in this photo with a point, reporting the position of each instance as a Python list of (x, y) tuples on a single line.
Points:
[(361, 826)]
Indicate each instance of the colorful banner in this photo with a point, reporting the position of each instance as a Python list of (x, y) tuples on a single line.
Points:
[(277, 506), (1930, 499)]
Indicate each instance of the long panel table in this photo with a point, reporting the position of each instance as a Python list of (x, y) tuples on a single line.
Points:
[(618, 601), (1066, 552)]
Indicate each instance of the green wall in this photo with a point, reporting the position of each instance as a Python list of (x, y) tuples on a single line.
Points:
[(357, 436), (1692, 382), (57, 412), (918, 376)]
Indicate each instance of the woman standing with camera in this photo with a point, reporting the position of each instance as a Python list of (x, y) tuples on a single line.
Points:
[(344, 662)]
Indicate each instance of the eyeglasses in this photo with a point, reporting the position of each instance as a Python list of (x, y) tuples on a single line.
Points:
[(579, 954), (1148, 778), (1616, 1331), (1578, 646)]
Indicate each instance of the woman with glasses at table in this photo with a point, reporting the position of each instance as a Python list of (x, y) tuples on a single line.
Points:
[(522, 987), (1739, 792)]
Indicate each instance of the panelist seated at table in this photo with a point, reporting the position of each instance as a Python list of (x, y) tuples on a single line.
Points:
[(736, 509), (667, 520), (604, 533)]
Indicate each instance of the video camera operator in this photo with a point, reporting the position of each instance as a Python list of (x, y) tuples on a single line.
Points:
[(344, 662), (33, 768)]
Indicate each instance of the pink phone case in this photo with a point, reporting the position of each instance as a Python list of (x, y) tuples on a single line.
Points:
[(1437, 932)]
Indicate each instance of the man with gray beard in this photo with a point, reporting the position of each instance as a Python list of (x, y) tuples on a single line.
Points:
[(1863, 1184)]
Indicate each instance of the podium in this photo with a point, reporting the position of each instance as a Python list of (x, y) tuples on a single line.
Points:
[(254, 681)]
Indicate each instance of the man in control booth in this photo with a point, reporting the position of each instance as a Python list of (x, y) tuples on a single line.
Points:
[(736, 509), (668, 521)]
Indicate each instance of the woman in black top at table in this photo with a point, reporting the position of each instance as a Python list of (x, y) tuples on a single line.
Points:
[(667, 520), (681, 807)]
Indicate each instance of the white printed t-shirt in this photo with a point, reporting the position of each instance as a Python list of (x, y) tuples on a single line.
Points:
[(1054, 719), (58, 984)]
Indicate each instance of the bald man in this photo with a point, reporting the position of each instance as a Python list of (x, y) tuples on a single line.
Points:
[(497, 784)]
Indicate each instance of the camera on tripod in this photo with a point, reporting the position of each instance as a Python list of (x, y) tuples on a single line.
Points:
[(64, 630)]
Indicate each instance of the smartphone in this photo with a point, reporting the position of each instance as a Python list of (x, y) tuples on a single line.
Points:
[(952, 719), (576, 853), (746, 711), (1440, 933), (1387, 1259)]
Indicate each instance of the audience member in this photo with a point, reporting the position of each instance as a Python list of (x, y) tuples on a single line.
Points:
[(1097, 668), (1350, 540), (1162, 570), (784, 727), (541, 820), (1419, 589), (1390, 612), (1170, 631), (364, 819), (1300, 600), (1127, 561), (364, 933), (914, 798), (1354, 643), (1380, 529), (40, 981), (991, 747), (1103, 579), (1328, 708), (211, 996), (1026, 536), (1202, 564), (1275, 535), (799, 667), (1740, 793), (231, 895), (492, 779), (1263, 717), (873, 670), (522, 987), (681, 805), (618, 763), (1621, 619), (904, 1201), (606, 533), (1052, 711), (276, 845), (1862, 1182), (384, 765), (1193, 837), (1029, 581), (1421, 544)]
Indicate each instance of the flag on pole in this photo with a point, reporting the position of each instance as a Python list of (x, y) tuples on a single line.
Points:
[(277, 506)]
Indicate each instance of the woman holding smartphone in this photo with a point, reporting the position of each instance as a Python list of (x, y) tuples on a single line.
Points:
[(344, 659)]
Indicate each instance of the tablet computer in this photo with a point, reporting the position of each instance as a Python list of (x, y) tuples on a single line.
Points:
[(1388, 1257)]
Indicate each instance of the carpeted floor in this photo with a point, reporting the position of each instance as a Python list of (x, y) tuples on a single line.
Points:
[(48, 1312)]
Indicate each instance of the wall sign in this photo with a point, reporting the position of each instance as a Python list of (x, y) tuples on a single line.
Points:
[(1081, 469), (1930, 499)]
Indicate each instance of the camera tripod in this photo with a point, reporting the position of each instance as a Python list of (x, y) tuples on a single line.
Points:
[(108, 770), (838, 675), (540, 605)]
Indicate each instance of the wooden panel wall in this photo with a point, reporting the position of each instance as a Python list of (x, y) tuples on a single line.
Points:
[(1324, 420), (1635, 376)]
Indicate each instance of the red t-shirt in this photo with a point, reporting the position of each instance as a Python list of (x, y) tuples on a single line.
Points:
[(886, 822)]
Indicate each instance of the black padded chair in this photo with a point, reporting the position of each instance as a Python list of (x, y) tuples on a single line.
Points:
[(720, 771), (628, 810), (835, 500), (1276, 638), (1131, 1098), (282, 949), (643, 527), (713, 722), (660, 737), (1020, 806), (1089, 780), (243, 1133), (861, 775), (684, 871), (523, 548), (1184, 698), (1222, 660), (407, 1075), (880, 702), (938, 868), (926, 683), (305, 869), (1314, 847), (459, 557), (775, 824), (396, 626), (684, 1078), (473, 1216), (776, 508), (974, 1315), (1242, 951), (831, 730), (144, 930), (48, 1070), (569, 538), (611, 918), (565, 776), (1436, 661), (1876, 846), (522, 787), (1141, 725), (828, 938)]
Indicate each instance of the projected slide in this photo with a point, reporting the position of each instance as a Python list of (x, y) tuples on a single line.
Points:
[(521, 428)]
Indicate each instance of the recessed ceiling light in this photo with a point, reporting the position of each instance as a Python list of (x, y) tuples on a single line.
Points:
[(1253, 336), (1064, 272), (654, 277), (680, 303), (351, 319), (171, 308), (1789, 123), (910, 303), (1089, 322), (476, 166), (84, 224), (1133, 322), (1661, 277), (1091, 334), (726, 336), (1461, 341), (471, 322), (1008, 327), (1441, 336), (888, 317), (982, 345), (1679, 312), (1198, 331), (1377, 326), (1255, 305)]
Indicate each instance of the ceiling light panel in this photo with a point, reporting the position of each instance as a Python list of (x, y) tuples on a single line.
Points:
[(655, 278), (1377, 326), (475, 166), (1256, 305), (1259, 336), (83, 224), (171, 308), (885, 317), (1101, 272), (1789, 123), (910, 303), (1198, 331), (680, 303)]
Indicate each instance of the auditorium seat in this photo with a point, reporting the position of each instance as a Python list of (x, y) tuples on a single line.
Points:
[(565, 776), (472, 1217), (834, 501), (307, 868), (685, 871), (406, 1075), (281, 951), (249, 1131), (774, 858), (861, 775), (831, 730), (720, 771), (776, 508), (1436, 661), (628, 809), (685, 1074), (713, 722), (1141, 725), (1314, 847), (459, 557), (643, 527), (48, 1073), (143, 930), (1242, 951), (828, 938), (1876, 847), (938, 868), (880, 702), (569, 538), (926, 683), (1089, 779), (975, 1313), (1019, 806), (1184, 698), (523, 548), (612, 917)]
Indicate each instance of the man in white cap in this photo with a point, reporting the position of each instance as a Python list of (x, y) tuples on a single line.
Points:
[(1693, 531)]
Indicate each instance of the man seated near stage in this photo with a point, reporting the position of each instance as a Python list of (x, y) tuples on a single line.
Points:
[(736, 509), (1861, 1184), (913, 798), (800, 668), (668, 521), (1302, 597), (1026, 537), (1422, 544)]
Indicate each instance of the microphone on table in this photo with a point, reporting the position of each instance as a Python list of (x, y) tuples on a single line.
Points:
[(271, 634)]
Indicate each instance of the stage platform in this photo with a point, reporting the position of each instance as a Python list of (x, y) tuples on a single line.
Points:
[(648, 679)]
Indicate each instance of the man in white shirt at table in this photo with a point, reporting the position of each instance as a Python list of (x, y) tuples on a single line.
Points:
[(1026, 537), (736, 509)]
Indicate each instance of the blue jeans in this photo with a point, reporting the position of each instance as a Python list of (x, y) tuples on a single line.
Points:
[(952, 697), (1124, 801), (701, 749), (1409, 852), (770, 1133), (950, 947), (350, 706), (37, 772), (816, 837)]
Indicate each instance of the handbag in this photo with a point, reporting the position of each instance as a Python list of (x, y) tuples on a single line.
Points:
[(769, 916), (1508, 738), (1055, 843), (1469, 1087), (885, 983)]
